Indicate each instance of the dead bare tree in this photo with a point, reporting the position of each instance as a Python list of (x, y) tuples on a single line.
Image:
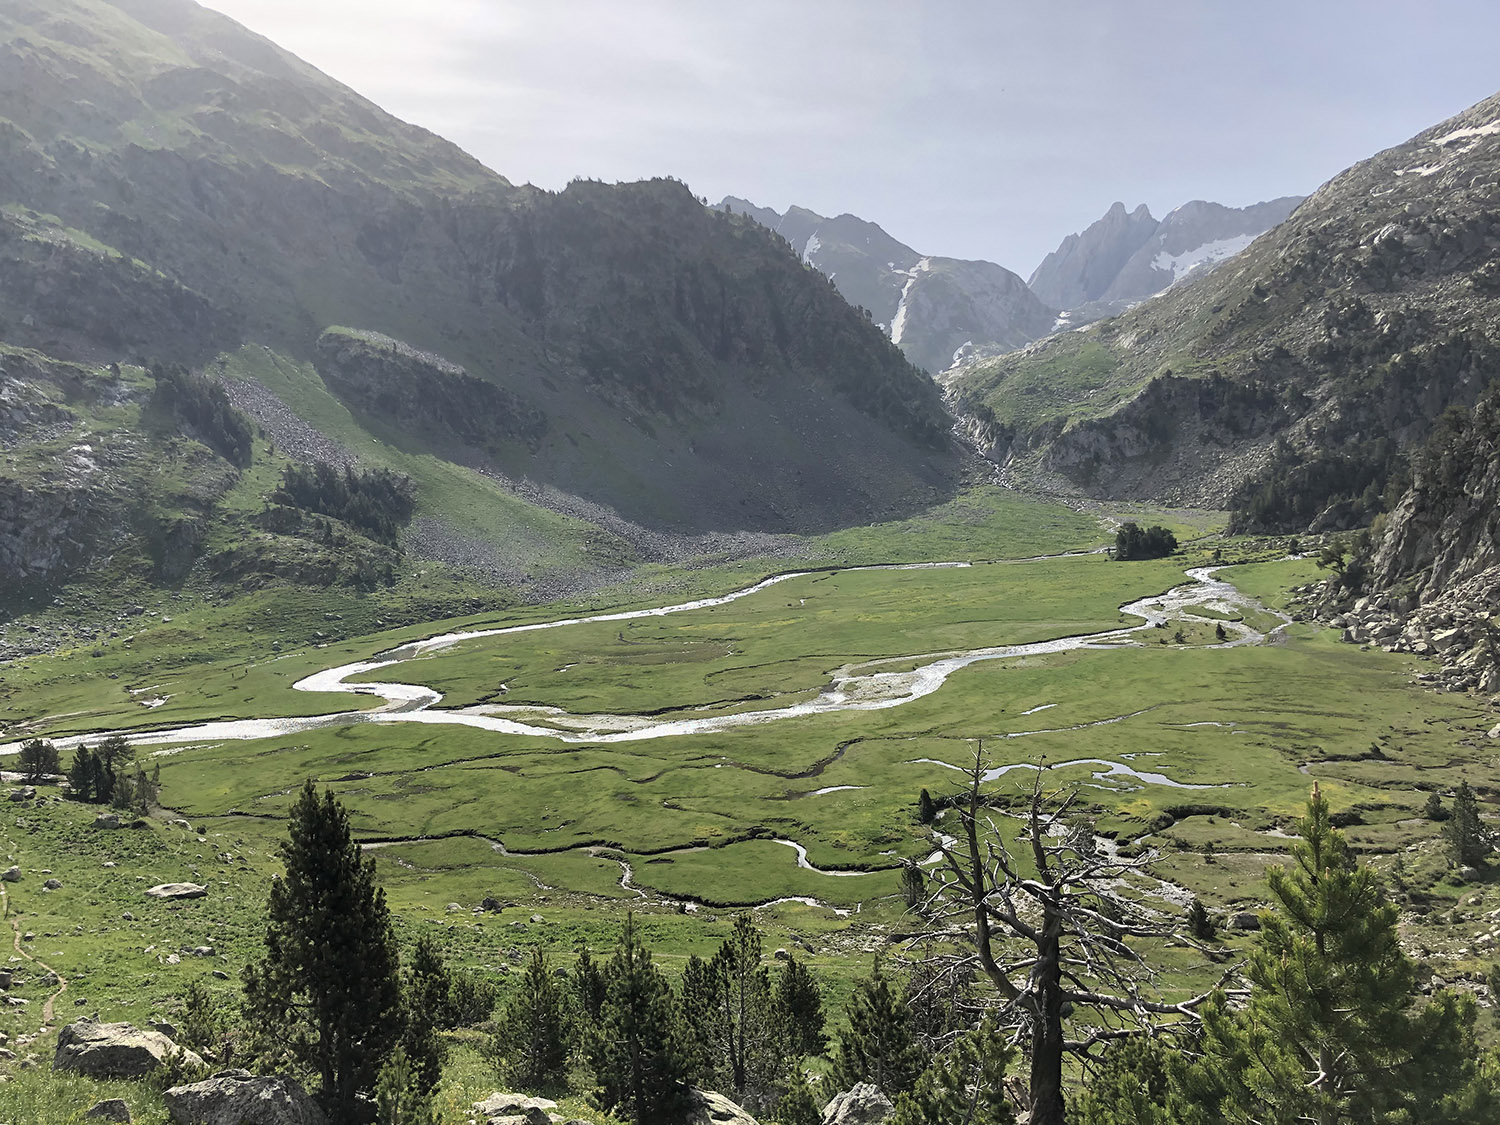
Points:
[(1051, 928)]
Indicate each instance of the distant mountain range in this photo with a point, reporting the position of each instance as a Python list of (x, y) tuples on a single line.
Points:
[(932, 308), (1126, 257), (945, 311)]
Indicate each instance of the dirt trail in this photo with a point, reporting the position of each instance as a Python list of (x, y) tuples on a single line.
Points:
[(49, 1007)]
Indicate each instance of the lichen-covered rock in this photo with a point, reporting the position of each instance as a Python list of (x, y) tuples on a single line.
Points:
[(237, 1097), (114, 1050), (114, 1109)]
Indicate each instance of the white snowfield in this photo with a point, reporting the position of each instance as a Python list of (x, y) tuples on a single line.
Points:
[(1474, 135), (1180, 265)]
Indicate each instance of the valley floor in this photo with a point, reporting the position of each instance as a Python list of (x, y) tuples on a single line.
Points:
[(760, 751)]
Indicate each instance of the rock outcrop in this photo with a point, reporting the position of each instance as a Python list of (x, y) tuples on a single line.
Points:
[(515, 1109), (114, 1050), (705, 1107), (237, 1097), (863, 1105), (177, 891)]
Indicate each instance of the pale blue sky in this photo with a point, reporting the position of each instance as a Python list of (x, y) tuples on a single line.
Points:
[(967, 128)]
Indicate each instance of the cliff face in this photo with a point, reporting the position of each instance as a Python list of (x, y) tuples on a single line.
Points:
[(1446, 529)]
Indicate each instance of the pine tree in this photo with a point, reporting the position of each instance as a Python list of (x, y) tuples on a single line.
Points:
[(328, 989), (37, 759), (963, 1086), (1331, 1033), (1200, 925), (699, 989), (637, 1054), (1433, 808), (1468, 843), (81, 776), (926, 810), (798, 1105), (748, 1045), (426, 1005), (588, 989), (532, 1032), (401, 1098), (879, 1045), (1132, 1085), (799, 999)]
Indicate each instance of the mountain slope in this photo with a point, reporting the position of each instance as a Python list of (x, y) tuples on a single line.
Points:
[(931, 306), (172, 186), (1289, 382)]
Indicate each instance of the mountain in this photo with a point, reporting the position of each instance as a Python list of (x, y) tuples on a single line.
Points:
[(933, 308), (174, 188), (1084, 266), (1291, 383), (1126, 257)]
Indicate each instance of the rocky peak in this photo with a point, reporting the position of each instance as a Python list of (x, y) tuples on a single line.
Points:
[(1084, 265)]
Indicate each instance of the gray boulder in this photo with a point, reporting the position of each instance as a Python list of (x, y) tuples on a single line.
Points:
[(863, 1105), (237, 1097), (107, 820), (25, 793), (11, 874), (114, 1109), (708, 1108), (515, 1109), (176, 890), (114, 1050)]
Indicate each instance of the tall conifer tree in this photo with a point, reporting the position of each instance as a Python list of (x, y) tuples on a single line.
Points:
[(637, 1053), (328, 987)]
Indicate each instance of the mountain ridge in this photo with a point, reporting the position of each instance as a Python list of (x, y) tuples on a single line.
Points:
[(1288, 383)]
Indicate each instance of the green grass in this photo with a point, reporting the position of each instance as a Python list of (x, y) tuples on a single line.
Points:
[(697, 818)]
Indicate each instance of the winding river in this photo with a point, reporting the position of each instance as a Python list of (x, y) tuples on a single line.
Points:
[(853, 687)]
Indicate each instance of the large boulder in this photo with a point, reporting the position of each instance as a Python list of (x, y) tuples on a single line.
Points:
[(708, 1108), (114, 1050), (863, 1105), (177, 890), (114, 1109), (237, 1097), (515, 1108)]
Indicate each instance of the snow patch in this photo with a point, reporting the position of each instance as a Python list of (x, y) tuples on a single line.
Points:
[(1180, 265), (898, 322), (1490, 130), (814, 244)]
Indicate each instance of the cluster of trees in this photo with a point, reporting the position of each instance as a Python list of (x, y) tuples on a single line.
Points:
[(202, 405), (1135, 542), (377, 502), (108, 774), (1028, 957)]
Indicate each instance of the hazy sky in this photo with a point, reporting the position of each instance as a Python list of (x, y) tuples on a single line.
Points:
[(967, 128)]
